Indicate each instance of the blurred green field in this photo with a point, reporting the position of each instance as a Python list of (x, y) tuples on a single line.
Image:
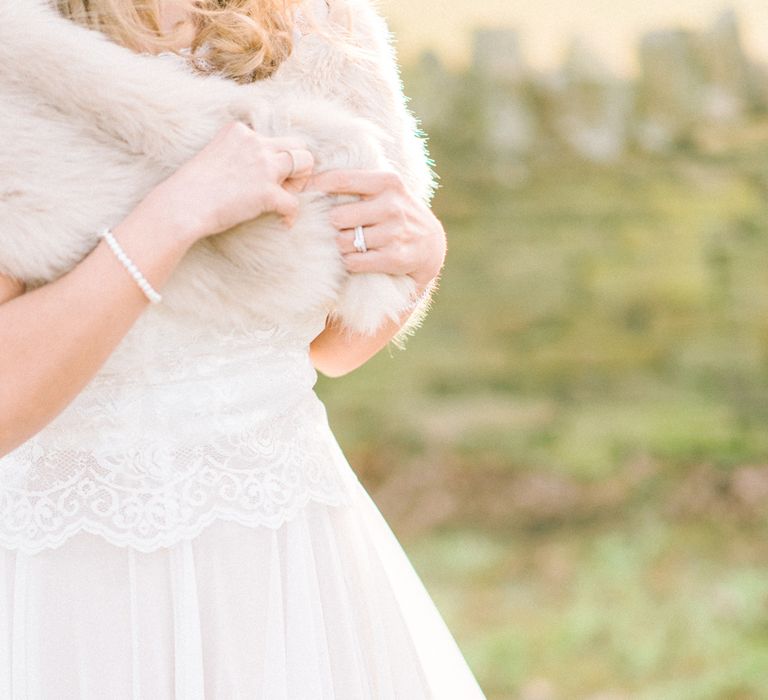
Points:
[(574, 447)]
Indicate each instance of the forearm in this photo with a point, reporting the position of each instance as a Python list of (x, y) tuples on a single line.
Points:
[(336, 351), (54, 338)]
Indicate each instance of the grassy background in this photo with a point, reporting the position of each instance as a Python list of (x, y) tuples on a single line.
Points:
[(573, 448)]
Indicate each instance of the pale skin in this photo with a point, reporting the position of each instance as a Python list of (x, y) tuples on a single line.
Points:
[(54, 338)]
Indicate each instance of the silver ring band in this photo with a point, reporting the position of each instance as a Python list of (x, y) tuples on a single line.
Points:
[(359, 241), (293, 163)]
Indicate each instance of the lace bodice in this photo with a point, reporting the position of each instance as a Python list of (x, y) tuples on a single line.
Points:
[(180, 426)]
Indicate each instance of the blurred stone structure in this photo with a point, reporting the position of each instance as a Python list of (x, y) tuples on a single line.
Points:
[(689, 80), (591, 108), (689, 84), (496, 54), (731, 90), (498, 79), (670, 90)]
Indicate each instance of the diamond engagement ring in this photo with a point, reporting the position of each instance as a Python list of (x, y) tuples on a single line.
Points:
[(359, 241)]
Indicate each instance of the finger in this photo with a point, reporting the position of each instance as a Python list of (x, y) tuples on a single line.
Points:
[(295, 184), (349, 181), (376, 237), (297, 163), (372, 261), (366, 212), (283, 203)]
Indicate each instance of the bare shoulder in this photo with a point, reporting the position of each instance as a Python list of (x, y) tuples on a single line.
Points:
[(10, 288)]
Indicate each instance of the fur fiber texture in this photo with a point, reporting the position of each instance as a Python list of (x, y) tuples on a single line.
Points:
[(88, 128)]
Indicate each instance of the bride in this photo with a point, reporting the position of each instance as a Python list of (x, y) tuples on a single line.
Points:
[(176, 518)]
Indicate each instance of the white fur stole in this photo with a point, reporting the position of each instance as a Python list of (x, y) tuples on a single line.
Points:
[(88, 128)]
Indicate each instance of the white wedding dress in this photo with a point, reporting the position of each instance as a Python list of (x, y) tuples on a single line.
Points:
[(188, 527)]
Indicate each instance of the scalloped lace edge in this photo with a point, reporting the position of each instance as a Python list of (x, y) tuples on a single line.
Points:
[(178, 534)]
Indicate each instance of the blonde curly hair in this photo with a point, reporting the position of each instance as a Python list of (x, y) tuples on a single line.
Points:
[(244, 40)]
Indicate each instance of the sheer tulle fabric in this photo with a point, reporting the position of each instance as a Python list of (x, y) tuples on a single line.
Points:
[(325, 606)]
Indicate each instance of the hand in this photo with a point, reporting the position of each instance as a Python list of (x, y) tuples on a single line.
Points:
[(402, 234), (236, 177)]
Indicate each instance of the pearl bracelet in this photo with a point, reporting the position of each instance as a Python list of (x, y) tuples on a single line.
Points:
[(129, 265)]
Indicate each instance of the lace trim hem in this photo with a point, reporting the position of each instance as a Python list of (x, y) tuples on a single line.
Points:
[(151, 494), (169, 538)]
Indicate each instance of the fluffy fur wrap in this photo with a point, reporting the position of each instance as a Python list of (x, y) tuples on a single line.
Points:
[(88, 128)]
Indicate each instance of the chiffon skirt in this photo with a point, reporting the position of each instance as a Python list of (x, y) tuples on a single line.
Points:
[(326, 606)]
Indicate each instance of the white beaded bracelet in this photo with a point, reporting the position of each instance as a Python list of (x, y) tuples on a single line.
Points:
[(154, 296)]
